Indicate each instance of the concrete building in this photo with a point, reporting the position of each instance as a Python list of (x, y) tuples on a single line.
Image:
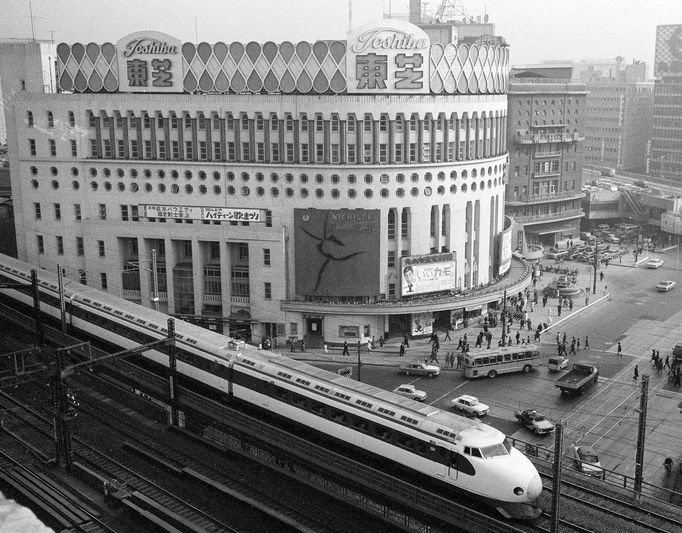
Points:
[(546, 132), (336, 190), (665, 155)]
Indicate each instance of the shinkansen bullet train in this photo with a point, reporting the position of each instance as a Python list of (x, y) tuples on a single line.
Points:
[(419, 439)]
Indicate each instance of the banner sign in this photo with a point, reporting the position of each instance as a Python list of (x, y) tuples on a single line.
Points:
[(422, 324), (505, 250), (200, 213), (428, 273)]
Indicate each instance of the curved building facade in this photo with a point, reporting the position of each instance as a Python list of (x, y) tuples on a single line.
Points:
[(334, 190)]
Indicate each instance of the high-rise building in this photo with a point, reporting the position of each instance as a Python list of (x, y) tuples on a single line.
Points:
[(665, 156), (546, 124), (340, 190)]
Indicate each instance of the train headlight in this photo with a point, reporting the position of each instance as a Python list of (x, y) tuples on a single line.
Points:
[(518, 491)]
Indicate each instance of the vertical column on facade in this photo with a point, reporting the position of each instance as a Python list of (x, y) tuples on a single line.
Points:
[(484, 134), (420, 140), (181, 138), (98, 133), (145, 273), (166, 137), (223, 139), (267, 148), (455, 135), (491, 239), (138, 136), (391, 141), (280, 139), (311, 141), (468, 245), (195, 139), (503, 138), (435, 238), (432, 140), (375, 140), (198, 276), (238, 138), (171, 261), (359, 139), (326, 142), (225, 278), (405, 245), (477, 242), (446, 227), (297, 142), (209, 137), (407, 136), (467, 138), (445, 125), (111, 135), (477, 136), (343, 142), (152, 123)]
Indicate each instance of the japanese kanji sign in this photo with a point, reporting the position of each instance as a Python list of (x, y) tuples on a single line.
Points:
[(391, 57), (428, 273), (201, 213), (149, 61)]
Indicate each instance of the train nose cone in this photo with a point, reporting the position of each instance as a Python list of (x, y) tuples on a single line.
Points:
[(534, 487)]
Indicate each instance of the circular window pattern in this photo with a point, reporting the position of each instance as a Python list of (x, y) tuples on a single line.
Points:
[(230, 190), (289, 192), (304, 193), (335, 178), (202, 189), (246, 191), (259, 176), (495, 182), (351, 193), (174, 174), (427, 191), (245, 176), (384, 193), (464, 187), (133, 173), (106, 172), (274, 177), (148, 187), (161, 173), (216, 175), (188, 174), (351, 178), (121, 186), (453, 189), (289, 178), (414, 191), (464, 174), (189, 189), (483, 172), (474, 172), (175, 188), (93, 172), (369, 193), (319, 178), (260, 191), (428, 177), (134, 187), (400, 192), (54, 171), (274, 192), (93, 185), (453, 175), (147, 173), (441, 176), (414, 178), (368, 178), (473, 186), (35, 184), (217, 189), (319, 193), (335, 193), (304, 178), (400, 178), (162, 187), (490, 171), (34, 171), (441, 190), (107, 186), (74, 171), (230, 176), (119, 172), (202, 175)]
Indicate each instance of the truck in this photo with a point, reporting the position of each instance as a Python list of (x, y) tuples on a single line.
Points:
[(583, 375)]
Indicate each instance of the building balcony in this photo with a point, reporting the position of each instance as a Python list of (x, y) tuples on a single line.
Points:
[(524, 199), (549, 217), (132, 295), (540, 138), (213, 299), (546, 154), (163, 296), (240, 301), (550, 174)]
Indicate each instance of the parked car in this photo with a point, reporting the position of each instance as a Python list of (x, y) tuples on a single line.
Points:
[(409, 391), (557, 363), (470, 405), (610, 237), (534, 421), (586, 460), (419, 368), (655, 263), (564, 281), (665, 286)]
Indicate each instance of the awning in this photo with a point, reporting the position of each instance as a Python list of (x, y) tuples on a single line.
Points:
[(547, 231)]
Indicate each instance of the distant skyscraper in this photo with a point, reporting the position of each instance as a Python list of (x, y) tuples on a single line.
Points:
[(665, 156)]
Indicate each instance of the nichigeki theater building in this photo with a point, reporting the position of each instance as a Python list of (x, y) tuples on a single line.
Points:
[(336, 190)]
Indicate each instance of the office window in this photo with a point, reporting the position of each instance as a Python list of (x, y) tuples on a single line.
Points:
[(74, 148), (335, 123), (351, 153), (79, 246), (102, 209), (367, 123), (289, 123), (175, 149), (188, 122), (319, 153), (77, 211), (147, 149), (290, 152), (134, 150), (266, 256), (268, 218), (189, 150), (246, 152), (124, 213), (174, 122), (275, 153), (391, 260), (304, 153), (135, 213), (162, 149), (216, 122), (41, 244), (57, 211), (103, 280), (201, 123), (245, 122), (119, 121), (120, 148), (426, 151), (260, 152), (53, 147), (203, 151), (260, 123), (231, 152), (60, 245), (29, 118), (383, 153), (367, 153), (230, 122), (92, 121), (146, 122), (350, 124), (50, 119), (304, 123), (217, 150), (159, 121), (267, 290), (413, 152), (399, 153), (107, 148), (335, 153), (100, 248)]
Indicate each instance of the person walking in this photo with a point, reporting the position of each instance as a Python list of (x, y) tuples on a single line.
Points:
[(345, 348), (636, 374), (620, 350), (518, 337), (401, 352), (558, 309), (573, 347), (577, 344), (601, 275), (667, 362), (407, 343), (570, 304), (302, 345), (587, 342), (447, 334)]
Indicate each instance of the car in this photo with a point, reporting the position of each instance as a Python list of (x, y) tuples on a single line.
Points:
[(665, 285), (610, 237), (534, 421), (586, 460), (655, 263), (558, 254), (470, 405), (557, 363), (409, 391), (564, 281), (419, 368)]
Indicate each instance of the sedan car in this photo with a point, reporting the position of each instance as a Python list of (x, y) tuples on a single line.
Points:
[(470, 405), (409, 391), (419, 368), (534, 421), (586, 460), (665, 286), (655, 263)]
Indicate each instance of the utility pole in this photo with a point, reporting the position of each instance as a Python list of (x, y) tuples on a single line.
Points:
[(173, 373), (36, 306), (62, 304), (556, 474), (359, 363), (155, 281), (504, 318), (596, 265), (641, 435)]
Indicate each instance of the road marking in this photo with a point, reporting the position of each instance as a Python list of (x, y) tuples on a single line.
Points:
[(449, 393)]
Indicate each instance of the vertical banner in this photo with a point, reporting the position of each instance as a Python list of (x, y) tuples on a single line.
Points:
[(505, 250)]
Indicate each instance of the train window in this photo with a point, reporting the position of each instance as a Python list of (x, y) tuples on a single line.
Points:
[(386, 411), (117, 312), (153, 326), (191, 341), (164, 330), (140, 321), (97, 304), (409, 420), (131, 317), (364, 403), (321, 388), (462, 464), (249, 362), (404, 440), (281, 394), (88, 300), (303, 382), (342, 396), (284, 375), (107, 308)]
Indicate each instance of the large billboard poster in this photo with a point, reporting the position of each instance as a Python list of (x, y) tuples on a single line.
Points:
[(428, 273), (388, 57), (505, 250), (422, 324), (337, 251), (668, 56)]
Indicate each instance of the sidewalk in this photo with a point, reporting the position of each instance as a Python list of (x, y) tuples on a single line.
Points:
[(421, 348)]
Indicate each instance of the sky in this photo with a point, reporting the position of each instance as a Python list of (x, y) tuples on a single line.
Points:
[(537, 30)]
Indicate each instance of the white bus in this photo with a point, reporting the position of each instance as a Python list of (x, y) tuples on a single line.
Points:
[(503, 360)]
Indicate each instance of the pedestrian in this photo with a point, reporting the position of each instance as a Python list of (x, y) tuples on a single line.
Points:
[(573, 346), (578, 344), (369, 347), (381, 341), (302, 345), (447, 334), (601, 275), (558, 309), (530, 324), (570, 304), (620, 350), (518, 337), (459, 343), (667, 362), (465, 341), (587, 301), (407, 344), (636, 373), (401, 352), (587, 342), (345, 348), (563, 340), (293, 345), (558, 339), (544, 301)]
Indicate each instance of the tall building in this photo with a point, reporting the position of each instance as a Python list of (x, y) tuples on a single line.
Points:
[(546, 132), (665, 156), (336, 190)]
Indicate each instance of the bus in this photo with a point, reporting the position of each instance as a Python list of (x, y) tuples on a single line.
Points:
[(502, 360)]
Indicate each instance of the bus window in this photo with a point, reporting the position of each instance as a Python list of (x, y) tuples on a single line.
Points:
[(484, 361), (507, 357)]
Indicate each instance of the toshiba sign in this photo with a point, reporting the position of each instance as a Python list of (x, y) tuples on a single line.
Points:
[(150, 61)]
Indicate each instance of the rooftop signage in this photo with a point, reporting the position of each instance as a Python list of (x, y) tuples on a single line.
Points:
[(149, 61)]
